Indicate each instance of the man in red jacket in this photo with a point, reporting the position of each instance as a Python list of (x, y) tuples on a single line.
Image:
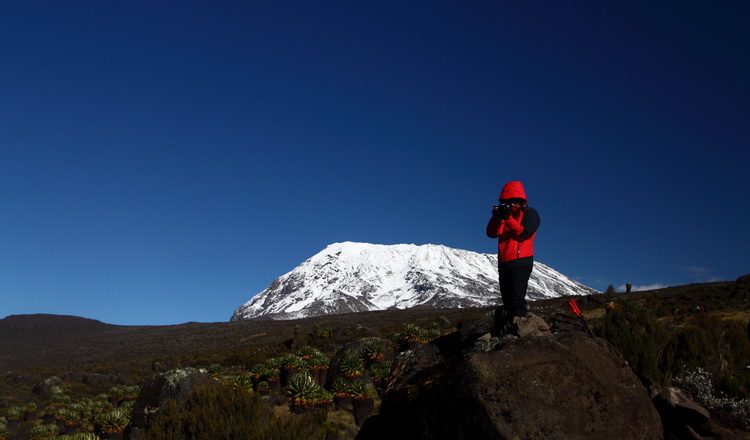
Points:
[(514, 224)]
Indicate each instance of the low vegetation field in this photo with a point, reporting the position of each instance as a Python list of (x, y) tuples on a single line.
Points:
[(55, 367)]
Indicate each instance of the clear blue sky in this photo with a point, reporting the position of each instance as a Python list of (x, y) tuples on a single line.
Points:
[(163, 162)]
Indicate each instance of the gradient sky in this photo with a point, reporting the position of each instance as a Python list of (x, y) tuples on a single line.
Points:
[(163, 162)]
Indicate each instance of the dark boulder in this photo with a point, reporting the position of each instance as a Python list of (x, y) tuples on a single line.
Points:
[(174, 384), (44, 387), (682, 417), (468, 386)]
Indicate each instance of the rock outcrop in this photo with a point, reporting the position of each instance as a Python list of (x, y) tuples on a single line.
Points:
[(174, 384), (474, 384), (46, 386)]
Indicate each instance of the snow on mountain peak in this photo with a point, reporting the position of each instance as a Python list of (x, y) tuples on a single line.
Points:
[(355, 277)]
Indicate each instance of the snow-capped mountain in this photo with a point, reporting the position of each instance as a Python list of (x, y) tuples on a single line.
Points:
[(356, 277)]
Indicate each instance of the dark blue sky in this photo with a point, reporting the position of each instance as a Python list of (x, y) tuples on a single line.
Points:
[(162, 162)]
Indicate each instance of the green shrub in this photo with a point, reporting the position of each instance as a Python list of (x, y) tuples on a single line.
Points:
[(352, 366), (634, 330), (239, 382), (114, 421), (307, 352), (414, 334), (360, 390), (373, 351), (689, 348), (381, 370), (80, 436), (300, 386), (225, 413), (42, 432), (214, 370), (667, 350), (341, 386)]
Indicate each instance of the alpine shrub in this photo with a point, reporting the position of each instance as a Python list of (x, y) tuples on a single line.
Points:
[(232, 414), (634, 330)]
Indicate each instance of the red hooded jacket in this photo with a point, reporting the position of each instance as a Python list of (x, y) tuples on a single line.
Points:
[(515, 244)]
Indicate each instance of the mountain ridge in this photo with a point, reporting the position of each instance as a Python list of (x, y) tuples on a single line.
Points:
[(45, 325), (354, 277)]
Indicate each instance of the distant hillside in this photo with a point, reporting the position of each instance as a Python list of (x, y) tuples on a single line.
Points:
[(54, 341), (46, 325)]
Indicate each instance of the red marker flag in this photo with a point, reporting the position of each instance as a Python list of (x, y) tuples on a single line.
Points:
[(574, 307)]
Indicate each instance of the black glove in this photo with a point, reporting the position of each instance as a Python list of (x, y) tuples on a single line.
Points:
[(501, 211)]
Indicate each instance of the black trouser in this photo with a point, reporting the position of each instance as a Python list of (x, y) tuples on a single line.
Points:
[(513, 283)]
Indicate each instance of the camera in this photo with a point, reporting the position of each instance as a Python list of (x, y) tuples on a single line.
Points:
[(503, 206), (502, 210)]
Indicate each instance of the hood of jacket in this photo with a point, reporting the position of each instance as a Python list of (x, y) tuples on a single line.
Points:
[(513, 190)]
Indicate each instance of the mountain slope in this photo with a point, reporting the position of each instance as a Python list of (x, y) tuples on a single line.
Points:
[(354, 277), (45, 325)]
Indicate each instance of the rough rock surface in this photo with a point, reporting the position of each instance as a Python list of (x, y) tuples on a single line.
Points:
[(174, 384), (46, 385), (471, 384), (680, 415), (683, 418)]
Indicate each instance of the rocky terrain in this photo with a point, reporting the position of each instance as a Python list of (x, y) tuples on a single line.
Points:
[(471, 385), (551, 377)]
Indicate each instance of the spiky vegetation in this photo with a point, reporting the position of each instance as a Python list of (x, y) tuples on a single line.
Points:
[(341, 386), (239, 382), (360, 390), (212, 413), (380, 373), (352, 366), (114, 421), (374, 351), (414, 335)]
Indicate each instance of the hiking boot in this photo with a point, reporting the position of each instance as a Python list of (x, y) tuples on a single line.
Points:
[(501, 318)]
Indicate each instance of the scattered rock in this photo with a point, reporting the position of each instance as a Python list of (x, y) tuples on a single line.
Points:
[(530, 326), (484, 338)]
